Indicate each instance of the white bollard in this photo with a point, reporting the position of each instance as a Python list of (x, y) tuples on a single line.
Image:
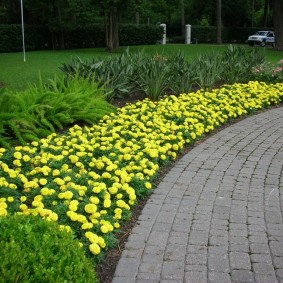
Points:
[(163, 41), (188, 34)]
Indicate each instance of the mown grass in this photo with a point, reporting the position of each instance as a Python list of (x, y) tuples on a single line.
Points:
[(17, 74)]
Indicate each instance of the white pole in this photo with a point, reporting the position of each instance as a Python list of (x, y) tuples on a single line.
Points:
[(188, 34), (23, 31)]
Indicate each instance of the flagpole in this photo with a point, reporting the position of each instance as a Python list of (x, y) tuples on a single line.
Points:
[(23, 31)]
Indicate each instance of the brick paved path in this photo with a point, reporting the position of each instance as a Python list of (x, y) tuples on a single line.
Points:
[(217, 215)]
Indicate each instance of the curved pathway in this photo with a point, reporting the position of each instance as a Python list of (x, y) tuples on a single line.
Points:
[(217, 215)]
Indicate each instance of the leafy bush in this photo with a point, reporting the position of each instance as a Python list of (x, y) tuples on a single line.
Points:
[(41, 110), (239, 61), (34, 250), (155, 75), (209, 68)]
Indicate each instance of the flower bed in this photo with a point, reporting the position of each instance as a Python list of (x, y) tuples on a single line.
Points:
[(88, 179)]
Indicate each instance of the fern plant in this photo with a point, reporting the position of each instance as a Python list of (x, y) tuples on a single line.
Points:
[(40, 110)]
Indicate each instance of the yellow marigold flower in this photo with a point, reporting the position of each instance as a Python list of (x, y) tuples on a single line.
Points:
[(101, 242), (55, 172), (94, 200), (95, 249), (107, 203), (23, 207), (104, 229), (17, 163), (42, 181), (87, 225), (13, 186), (120, 203), (23, 198), (3, 212), (90, 208), (17, 155), (26, 158), (148, 185), (3, 205), (116, 225), (10, 199)]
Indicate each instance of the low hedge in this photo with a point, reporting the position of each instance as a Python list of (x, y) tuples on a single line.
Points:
[(87, 36)]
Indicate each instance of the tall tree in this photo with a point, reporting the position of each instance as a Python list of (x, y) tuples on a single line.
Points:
[(219, 21), (277, 11), (112, 11), (182, 16)]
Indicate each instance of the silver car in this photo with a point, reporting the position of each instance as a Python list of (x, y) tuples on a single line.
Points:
[(262, 38)]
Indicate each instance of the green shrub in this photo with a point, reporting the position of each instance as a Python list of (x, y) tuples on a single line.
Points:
[(41, 110), (239, 62), (34, 250), (86, 36), (140, 35)]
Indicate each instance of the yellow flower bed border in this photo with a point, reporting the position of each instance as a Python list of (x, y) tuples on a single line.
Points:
[(88, 179)]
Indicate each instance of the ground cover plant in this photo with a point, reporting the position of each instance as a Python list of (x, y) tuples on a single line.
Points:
[(89, 178)]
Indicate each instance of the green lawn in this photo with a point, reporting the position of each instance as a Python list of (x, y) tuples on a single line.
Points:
[(17, 74)]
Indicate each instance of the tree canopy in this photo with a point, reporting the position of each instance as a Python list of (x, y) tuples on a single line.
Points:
[(59, 15)]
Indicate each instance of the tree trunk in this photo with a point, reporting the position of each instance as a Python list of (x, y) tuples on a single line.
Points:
[(182, 16), (265, 13), (116, 30), (277, 11), (60, 33), (218, 22), (137, 18)]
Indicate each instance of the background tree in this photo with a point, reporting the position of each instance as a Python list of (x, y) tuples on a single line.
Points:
[(277, 10), (219, 21)]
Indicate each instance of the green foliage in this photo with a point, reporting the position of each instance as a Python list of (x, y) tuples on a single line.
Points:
[(239, 62), (154, 77), (182, 76), (38, 111), (35, 250), (209, 68)]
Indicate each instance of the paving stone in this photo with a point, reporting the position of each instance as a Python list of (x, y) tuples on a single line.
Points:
[(195, 276), (259, 248), (196, 259), (263, 258), (263, 268), (218, 262), (219, 277), (152, 267), (123, 280), (276, 248), (239, 260), (172, 270), (262, 278), (278, 262), (127, 267), (242, 276)]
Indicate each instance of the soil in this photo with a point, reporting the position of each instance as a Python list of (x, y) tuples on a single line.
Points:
[(106, 269)]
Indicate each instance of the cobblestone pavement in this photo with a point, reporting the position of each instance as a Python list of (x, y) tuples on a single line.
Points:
[(217, 215)]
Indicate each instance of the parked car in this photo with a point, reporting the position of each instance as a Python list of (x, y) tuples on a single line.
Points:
[(262, 38)]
